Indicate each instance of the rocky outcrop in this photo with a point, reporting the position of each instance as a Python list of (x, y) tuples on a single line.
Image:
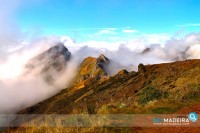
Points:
[(102, 61), (92, 69), (124, 71), (141, 68)]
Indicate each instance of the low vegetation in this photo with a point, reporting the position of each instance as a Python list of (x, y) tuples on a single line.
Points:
[(158, 89)]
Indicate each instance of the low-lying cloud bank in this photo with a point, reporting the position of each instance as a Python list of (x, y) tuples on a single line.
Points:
[(18, 91), (133, 52)]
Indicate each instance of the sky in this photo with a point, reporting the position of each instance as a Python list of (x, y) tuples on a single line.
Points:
[(110, 19)]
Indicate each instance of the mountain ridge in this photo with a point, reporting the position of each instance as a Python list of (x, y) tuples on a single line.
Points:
[(130, 87), (165, 88)]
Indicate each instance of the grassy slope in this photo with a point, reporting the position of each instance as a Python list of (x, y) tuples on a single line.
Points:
[(160, 88), (154, 89)]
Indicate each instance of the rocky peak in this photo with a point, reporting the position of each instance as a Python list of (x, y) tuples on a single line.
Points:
[(92, 69), (102, 59), (57, 50), (146, 50), (50, 62)]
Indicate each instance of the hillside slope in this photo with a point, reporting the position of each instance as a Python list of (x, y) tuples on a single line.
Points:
[(159, 88), (154, 89)]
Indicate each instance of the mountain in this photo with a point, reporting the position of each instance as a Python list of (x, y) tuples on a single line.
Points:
[(50, 62), (177, 81), (154, 89), (146, 50), (92, 68)]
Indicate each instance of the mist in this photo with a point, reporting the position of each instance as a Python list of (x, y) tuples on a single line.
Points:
[(19, 89)]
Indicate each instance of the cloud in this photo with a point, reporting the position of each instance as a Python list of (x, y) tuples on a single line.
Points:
[(190, 25), (83, 29), (194, 52), (129, 31), (164, 48), (104, 34), (107, 31), (113, 34), (19, 89)]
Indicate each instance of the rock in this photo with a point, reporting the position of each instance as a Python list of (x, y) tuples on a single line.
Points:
[(124, 71), (141, 68), (58, 50), (146, 50), (92, 68), (102, 60)]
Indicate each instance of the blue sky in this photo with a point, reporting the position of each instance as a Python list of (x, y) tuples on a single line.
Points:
[(113, 18)]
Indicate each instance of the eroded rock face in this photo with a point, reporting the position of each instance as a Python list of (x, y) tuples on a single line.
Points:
[(51, 62)]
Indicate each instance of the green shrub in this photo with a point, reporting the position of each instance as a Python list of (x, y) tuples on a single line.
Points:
[(149, 93), (193, 93)]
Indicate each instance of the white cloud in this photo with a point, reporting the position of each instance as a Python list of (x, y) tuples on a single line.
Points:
[(129, 31), (190, 25), (86, 29), (108, 31), (194, 51)]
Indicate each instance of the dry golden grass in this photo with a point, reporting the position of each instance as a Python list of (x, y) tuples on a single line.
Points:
[(163, 88)]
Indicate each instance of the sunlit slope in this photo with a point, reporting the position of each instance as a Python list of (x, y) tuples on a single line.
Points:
[(159, 88)]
